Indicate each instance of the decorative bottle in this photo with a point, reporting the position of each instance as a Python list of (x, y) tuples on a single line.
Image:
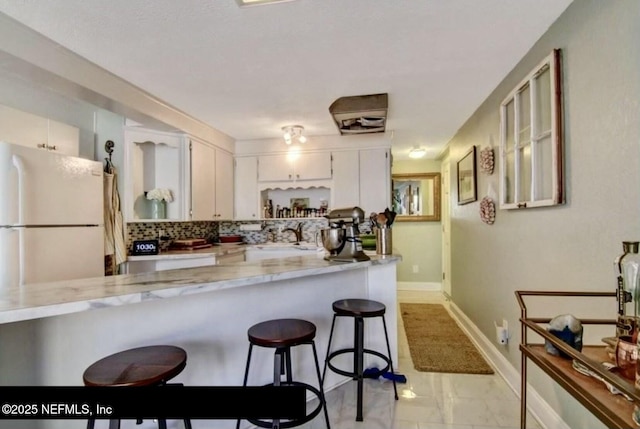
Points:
[(627, 267)]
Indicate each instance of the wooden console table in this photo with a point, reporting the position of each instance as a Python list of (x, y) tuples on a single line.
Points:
[(613, 410)]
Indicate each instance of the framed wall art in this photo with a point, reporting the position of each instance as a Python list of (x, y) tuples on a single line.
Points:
[(467, 189)]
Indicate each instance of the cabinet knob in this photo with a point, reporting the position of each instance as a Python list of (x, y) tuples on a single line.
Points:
[(297, 176), (289, 176), (42, 145)]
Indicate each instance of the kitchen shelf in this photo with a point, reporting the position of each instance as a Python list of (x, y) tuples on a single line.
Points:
[(613, 410)]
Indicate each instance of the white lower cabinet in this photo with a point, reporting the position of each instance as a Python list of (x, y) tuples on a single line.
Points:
[(230, 257), (145, 266)]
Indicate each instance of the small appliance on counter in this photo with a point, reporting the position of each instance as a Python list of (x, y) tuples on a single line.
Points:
[(342, 238)]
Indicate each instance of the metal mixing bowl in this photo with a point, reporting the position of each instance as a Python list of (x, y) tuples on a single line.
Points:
[(332, 238)]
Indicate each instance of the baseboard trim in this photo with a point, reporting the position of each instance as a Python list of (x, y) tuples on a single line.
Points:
[(536, 405), (421, 286)]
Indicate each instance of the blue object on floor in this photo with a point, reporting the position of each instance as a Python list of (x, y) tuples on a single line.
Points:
[(399, 378), (374, 373)]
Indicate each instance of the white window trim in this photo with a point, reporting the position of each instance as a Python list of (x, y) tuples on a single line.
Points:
[(553, 62)]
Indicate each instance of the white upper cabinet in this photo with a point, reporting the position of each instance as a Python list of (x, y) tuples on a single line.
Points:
[(375, 180), (224, 185), (30, 130), (294, 166), (153, 160), (247, 199), (345, 188), (211, 182), (203, 181)]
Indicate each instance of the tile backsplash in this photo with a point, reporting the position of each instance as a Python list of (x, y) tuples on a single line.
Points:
[(271, 230)]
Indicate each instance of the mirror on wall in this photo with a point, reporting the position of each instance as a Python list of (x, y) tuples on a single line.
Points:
[(416, 197)]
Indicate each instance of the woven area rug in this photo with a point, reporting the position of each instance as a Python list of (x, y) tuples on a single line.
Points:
[(436, 342)]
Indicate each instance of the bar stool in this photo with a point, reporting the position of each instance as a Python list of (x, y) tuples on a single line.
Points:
[(142, 366), (282, 334), (359, 309)]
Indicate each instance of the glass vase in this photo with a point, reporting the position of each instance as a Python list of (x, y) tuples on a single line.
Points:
[(158, 209)]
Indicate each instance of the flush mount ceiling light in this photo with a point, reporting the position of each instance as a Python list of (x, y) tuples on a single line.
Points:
[(244, 3), (417, 152), (293, 132)]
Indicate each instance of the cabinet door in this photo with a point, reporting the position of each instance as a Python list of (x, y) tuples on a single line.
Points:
[(22, 128), (223, 185), (64, 138), (345, 189), (375, 180), (313, 166), (203, 181), (154, 160), (247, 200), (275, 168)]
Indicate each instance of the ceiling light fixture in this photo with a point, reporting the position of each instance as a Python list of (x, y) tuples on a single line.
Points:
[(417, 152), (293, 132)]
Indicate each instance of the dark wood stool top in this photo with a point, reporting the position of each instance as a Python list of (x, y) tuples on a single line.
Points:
[(143, 366), (358, 307), (282, 332)]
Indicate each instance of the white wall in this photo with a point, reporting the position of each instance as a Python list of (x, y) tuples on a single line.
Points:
[(569, 247)]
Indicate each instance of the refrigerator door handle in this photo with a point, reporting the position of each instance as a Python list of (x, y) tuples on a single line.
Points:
[(21, 261), (19, 164)]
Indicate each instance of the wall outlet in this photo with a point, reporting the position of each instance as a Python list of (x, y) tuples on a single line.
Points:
[(416, 269)]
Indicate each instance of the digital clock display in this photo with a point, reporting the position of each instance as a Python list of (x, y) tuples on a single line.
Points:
[(146, 247)]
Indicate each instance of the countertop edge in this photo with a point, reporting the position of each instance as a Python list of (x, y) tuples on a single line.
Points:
[(101, 292)]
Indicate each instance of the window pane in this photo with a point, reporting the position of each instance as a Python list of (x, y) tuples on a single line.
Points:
[(510, 125), (510, 177), (544, 169), (543, 99), (525, 174), (524, 114)]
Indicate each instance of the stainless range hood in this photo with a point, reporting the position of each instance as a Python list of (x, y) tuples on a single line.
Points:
[(360, 114)]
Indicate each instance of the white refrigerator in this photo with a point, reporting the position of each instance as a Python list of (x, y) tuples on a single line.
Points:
[(51, 217)]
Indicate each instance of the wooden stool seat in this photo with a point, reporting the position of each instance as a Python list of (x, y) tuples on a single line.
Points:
[(282, 333), (142, 366), (359, 307), (139, 367)]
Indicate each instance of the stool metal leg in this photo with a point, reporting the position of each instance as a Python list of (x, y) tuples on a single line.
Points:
[(91, 423), (358, 360), (320, 380), (114, 424), (277, 373), (326, 358), (287, 361), (246, 375), (162, 424), (386, 337)]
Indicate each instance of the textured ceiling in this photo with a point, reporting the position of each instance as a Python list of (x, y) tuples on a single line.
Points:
[(249, 71)]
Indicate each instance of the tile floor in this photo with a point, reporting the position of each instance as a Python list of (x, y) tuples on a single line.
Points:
[(427, 400)]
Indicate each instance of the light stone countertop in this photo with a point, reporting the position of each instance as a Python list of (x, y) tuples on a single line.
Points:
[(38, 300)]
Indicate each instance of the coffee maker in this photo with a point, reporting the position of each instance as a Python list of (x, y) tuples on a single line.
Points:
[(342, 238)]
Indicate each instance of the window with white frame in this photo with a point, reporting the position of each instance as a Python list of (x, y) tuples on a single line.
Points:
[(531, 139)]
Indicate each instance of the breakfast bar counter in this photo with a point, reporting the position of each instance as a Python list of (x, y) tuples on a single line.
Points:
[(50, 332)]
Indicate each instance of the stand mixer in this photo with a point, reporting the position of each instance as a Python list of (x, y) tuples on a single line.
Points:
[(342, 238)]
